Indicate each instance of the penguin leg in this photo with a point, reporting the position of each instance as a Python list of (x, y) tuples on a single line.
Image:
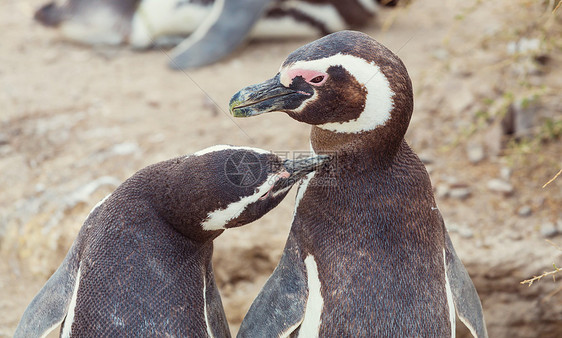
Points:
[(222, 31), (279, 308), (49, 307), (466, 300)]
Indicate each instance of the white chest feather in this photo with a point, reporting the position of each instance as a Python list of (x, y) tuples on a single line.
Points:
[(209, 332), (313, 312), (71, 308), (450, 302)]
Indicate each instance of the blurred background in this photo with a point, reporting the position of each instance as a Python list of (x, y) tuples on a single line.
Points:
[(76, 121)]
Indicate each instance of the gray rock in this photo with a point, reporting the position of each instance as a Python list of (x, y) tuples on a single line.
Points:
[(498, 185), (549, 230), (524, 211), (520, 118)]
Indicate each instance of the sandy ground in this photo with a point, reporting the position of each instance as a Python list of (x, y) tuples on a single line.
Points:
[(71, 115)]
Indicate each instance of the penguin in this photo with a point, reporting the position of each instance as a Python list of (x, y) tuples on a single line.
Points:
[(141, 264), (368, 253), (215, 27), (232, 22)]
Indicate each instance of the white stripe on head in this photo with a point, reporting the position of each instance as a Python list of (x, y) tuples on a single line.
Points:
[(378, 103), (450, 302), (72, 307), (216, 220), (310, 326), (221, 147)]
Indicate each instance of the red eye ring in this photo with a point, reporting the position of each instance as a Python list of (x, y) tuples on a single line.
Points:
[(317, 79)]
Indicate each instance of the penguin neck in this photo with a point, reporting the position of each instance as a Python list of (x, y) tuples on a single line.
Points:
[(174, 200), (357, 149)]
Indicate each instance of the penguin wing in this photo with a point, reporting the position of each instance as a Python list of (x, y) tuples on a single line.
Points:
[(466, 300), (223, 30), (279, 308), (49, 307)]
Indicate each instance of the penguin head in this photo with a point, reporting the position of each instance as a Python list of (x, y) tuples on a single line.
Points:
[(345, 84), (225, 186)]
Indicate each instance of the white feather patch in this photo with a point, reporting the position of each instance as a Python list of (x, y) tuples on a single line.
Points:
[(99, 203), (450, 302), (283, 27), (369, 5), (209, 332), (202, 30), (72, 307), (324, 13), (378, 103), (157, 18), (302, 189), (96, 27), (312, 316), (217, 219)]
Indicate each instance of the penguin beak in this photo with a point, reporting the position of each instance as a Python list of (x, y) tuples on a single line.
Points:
[(265, 97), (297, 169)]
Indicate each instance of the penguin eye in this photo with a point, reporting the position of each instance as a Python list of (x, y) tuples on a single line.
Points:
[(317, 79)]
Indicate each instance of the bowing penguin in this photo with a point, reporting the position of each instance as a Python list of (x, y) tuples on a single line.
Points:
[(141, 264), (368, 253)]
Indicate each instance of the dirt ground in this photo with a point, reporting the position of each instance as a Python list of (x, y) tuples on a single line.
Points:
[(76, 121)]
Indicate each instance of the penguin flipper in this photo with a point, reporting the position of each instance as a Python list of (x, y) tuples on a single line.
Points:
[(223, 30), (49, 307), (466, 300), (279, 308)]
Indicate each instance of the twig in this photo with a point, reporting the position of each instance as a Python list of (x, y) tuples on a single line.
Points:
[(536, 278), (555, 176), (557, 6)]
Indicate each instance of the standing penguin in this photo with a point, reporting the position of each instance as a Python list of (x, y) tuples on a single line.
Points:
[(141, 264), (368, 253), (218, 26)]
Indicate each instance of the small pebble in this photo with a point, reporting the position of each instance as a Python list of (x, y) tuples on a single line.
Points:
[(475, 153), (459, 193), (515, 236), (549, 230), (453, 227), (499, 185), (441, 54), (466, 233), (505, 173), (426, 158), (4, 139), (442, 191), (524, 211)]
